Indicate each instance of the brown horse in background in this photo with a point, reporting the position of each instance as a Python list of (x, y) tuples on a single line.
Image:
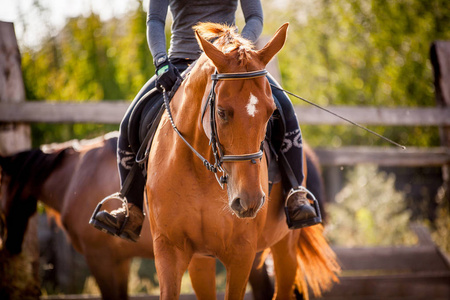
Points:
[(70, 181), (221, 110), (70, 178)]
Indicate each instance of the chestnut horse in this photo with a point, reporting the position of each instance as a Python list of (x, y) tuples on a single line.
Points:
[(219, 114), (70, 178)]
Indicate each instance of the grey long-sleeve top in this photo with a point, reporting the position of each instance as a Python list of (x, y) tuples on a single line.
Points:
[(187, 13)]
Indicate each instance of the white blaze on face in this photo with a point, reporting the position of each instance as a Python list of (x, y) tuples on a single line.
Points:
[(251, 106)]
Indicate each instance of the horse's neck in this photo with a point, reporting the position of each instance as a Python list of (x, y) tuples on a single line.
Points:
[(188, 104)]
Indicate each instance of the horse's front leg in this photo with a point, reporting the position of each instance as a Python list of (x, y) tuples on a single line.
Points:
[(238, 272), (202, 271), (171, 263)]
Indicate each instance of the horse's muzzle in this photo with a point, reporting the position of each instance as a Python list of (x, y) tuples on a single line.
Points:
[(247, 207)]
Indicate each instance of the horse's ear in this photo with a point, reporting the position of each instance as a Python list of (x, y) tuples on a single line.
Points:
[(217, 56), (274, 45)]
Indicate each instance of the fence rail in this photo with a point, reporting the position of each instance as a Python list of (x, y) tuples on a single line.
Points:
[(384, 156), (111, 112)]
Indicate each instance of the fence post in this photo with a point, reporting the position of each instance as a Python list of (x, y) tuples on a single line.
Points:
[(18, 273), (440, 59), (14, 137)]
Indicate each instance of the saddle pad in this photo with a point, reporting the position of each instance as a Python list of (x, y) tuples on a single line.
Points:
[(142, 118)]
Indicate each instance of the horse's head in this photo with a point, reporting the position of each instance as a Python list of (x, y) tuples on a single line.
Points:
[(21, 179), (17, 201), (242, 108)]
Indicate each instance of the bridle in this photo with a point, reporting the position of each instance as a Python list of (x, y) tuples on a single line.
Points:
[(217, 149)]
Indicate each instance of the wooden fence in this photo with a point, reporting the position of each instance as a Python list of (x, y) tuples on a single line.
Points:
[(111, 112)]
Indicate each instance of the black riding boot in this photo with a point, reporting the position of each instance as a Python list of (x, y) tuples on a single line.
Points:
[(298, 209)]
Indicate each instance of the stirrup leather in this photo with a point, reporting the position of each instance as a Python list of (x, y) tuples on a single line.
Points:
[(105, 228), (303, 223)]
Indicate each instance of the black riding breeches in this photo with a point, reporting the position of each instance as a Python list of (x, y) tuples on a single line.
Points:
[(126, 158), (292, 146)]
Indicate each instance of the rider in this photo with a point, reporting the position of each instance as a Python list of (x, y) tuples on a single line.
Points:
[(184, 50)]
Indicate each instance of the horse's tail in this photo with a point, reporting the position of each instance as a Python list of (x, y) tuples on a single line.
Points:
[(318, 266)]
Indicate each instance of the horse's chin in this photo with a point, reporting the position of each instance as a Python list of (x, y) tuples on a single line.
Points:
[(246, 215)]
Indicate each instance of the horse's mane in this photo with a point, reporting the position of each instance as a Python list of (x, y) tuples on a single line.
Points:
[(78, 145), (226, 38)]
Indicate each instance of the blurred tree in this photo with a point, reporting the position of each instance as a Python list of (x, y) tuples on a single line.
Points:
[(88, 60), (369, 211), (361, 52)]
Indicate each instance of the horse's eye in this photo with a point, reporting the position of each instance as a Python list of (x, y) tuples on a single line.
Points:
[(222, 114)]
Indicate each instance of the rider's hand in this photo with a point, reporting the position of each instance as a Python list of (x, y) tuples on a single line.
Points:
[(166, 74)]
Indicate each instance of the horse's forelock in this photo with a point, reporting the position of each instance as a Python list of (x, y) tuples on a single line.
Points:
[(224, 37), (210, 31)]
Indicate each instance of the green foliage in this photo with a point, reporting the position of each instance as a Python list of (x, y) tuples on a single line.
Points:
[(358, 52), (369, 211), (89, 60), (58, 133)]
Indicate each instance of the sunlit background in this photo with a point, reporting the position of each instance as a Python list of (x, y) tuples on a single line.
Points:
[(35, 20)]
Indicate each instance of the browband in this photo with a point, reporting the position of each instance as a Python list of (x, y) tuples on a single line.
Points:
[(237, 76)]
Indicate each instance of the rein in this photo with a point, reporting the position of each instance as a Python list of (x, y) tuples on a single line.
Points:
[(217, 149)]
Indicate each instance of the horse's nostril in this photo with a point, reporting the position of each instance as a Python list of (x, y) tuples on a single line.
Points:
[(236, 204)]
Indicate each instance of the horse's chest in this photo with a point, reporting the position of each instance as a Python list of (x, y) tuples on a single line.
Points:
[(208, 228)]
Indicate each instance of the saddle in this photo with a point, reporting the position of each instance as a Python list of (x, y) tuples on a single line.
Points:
[(142, 118)]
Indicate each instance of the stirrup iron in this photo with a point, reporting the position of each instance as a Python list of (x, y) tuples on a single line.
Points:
[(105, 228), (303, 223)]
